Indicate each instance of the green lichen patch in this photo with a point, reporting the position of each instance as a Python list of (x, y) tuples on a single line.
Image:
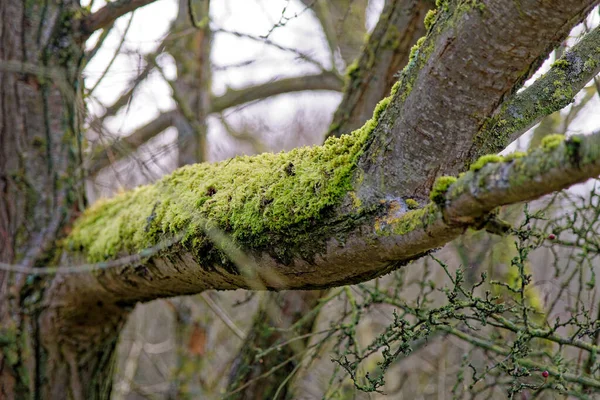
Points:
[(249, 198), (551, 142), (439, 189), (561, 63), (484, 160)]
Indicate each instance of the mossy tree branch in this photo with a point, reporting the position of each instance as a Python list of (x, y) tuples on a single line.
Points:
[(552, 92), (375, 242), (314, 217), (456, 79)]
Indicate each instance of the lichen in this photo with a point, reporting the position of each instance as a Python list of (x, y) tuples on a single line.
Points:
[(439, 189), (484, 160), (590, 64), (356, 202), (246, 197), (551, 142)]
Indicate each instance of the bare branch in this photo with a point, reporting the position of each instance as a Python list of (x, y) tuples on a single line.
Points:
[(236, 97), (232, 98), (109, 13), (120, 148)]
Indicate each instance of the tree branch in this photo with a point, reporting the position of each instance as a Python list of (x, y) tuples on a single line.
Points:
[(374, 241), (123, 147), (109, 13), (236, 97), (552, 92), (371, 77), (472, 59), (231, 98)]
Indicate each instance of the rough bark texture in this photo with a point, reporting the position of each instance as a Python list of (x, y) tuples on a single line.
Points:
[(302, 218), (475, 56), (43, 354), (386, 52)]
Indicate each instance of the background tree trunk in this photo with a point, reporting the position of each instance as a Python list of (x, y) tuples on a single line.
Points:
[(41, 190)]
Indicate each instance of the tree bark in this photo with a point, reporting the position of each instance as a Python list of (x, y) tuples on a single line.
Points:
[(311, 218), (44, 355)]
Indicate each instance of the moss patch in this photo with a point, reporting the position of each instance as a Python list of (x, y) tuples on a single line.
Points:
[(407, 222), (514, 156), (412, 204), (439, 189), (484, 160), (246, 197), (551, 142)]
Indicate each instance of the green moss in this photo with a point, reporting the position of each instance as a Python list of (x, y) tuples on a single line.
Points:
[(356, 202), (430, 18), (439, 189), (395, 88), (414, 51), (352, 70), (484, 160), (551, 142), (442, 5), (468, 5), (407, 222), (246, 197), (590, 64), (513, 156), (412, 204), (561, 63)]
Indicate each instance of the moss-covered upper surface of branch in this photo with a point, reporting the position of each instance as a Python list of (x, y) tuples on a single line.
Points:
[(245, 196)]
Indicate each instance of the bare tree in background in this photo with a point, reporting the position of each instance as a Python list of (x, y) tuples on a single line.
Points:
[(354, 209)]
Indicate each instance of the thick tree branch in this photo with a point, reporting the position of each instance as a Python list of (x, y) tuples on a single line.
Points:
[(354, 248), (109, 13), (372, 76), (552, 92), (472, 59)]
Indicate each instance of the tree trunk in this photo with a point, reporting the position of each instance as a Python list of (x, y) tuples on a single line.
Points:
[(41, 190)]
